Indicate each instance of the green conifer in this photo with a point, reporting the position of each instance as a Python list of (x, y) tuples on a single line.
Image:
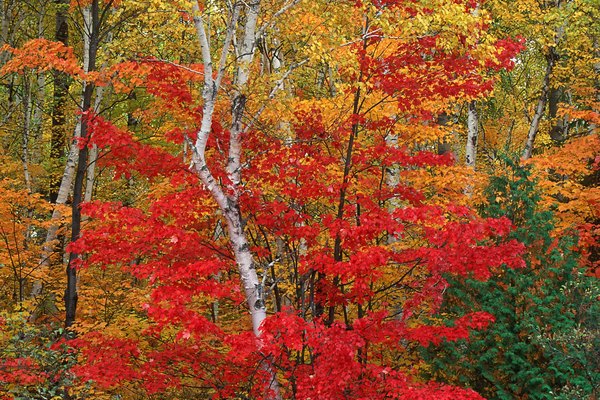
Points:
[(545, 343)]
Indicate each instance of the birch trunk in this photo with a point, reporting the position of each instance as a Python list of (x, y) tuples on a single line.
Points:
[(37, 119), (61, 198), (68, 175), (472, 124), (472, 133), (38, 100), (27, 105), (227, 198), (540, 107)]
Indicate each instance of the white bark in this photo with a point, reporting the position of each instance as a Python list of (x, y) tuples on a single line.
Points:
[(90, 174), (472, 133), (227, 198), (229, 203), (392, 179), (472, 123), (38, 118)]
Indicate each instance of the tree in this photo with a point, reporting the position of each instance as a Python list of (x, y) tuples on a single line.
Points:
[(318, 231), (282, 224), (541, 345), (560, 38)]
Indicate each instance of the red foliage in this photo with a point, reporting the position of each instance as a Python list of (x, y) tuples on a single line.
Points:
[(127, 154), (351, 314)]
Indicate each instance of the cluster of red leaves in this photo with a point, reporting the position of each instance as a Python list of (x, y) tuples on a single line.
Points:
[(127, 154), (426, 335), (333, 351), (422, 70), (110, 363), (21, 372), (164, 246), (507, 50), (291, 196)]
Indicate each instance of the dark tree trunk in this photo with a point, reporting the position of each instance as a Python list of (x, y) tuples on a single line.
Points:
[(59, 101), (71, 291), (551, 58), (558, 132)]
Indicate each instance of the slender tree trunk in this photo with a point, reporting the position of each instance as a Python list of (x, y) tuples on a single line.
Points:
[(337, 246), (4, 21), (597, 79), (472, 124), (392, 179), (71, 271), (444, 147), (62, 196), (93, 156), (559, 129), (38, 98), (60, 98), (27, 105), (472, 133), (59, 102), (540, 107), (228, 201), (6, 8), (37, 119)]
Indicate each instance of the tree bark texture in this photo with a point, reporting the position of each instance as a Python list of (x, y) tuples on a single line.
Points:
[(472, 134), (66, 181), (71, 271), (227, 198), (540, 107), (59, 101)]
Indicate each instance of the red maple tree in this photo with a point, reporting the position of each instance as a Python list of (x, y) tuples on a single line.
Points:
[(349, 244)]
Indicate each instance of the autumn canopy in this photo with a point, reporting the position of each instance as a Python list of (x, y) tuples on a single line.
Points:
[(293, 199)]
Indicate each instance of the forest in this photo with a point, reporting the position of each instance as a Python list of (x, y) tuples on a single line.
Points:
[(299, 199)]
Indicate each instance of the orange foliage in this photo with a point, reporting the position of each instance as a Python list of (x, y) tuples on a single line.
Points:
[(43, 55), (568, 176)]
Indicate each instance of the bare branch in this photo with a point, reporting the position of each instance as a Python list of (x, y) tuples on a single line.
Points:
[(282, 10), (228, 39), (204, 44), (278, 86)]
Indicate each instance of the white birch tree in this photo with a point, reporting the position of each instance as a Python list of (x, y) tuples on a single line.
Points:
[(241, 35), (472, 134)]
